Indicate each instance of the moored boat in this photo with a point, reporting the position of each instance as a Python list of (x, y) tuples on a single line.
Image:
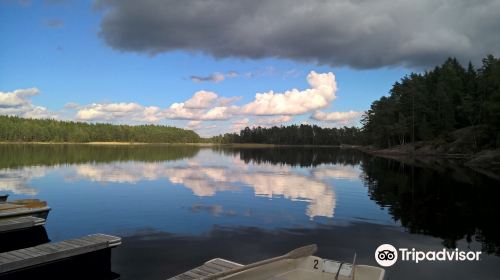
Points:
[(24, 207), (310, 268), (3, 197), (298, 264)]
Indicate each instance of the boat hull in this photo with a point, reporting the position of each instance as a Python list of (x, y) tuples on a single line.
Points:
[(24, 207), (42, 212), (307, 268), (313, 268)]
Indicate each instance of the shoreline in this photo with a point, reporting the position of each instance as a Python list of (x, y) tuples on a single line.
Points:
[(486, 162), (398, 152), (236, 145), (111, 143)]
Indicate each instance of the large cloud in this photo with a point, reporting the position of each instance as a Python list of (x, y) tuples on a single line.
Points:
[(17, 98), (294, 102), (361, 34), (18, 103)]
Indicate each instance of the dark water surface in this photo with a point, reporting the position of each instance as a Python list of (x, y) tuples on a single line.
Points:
[(178, 206)]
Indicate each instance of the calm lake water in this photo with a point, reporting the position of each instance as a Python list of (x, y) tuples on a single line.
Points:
[(178, 206)]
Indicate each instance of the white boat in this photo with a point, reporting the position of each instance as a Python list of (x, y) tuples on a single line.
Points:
[(299, 264)]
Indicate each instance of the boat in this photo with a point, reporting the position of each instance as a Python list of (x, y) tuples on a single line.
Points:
[(24, 207), (3, 197), (298, 264)]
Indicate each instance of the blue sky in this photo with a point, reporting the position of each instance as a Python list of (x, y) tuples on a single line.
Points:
[(56, 47)]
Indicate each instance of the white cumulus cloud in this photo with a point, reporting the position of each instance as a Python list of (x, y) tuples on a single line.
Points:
[(179, 111), (201, 99), (118, 111), (18, 103), (295, 102), (17, 97)]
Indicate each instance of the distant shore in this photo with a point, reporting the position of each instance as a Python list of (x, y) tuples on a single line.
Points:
[(236, 145), (110, 143)]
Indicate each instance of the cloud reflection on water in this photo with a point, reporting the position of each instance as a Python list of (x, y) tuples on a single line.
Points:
[(208, 180), (16, 180), (205, 177)]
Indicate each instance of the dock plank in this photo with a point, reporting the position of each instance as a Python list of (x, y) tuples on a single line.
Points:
[(29, 253), (215, 267), (35, 253), (20, 255), (209, 268), (200, 272), (79, 242), (11, 224), (192, 275), (45, 253), (68, 245), (183, 277), (224, 263)]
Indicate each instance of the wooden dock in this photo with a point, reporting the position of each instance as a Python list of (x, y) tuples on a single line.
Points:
[(53, 252), (209, 268), (20, 223)]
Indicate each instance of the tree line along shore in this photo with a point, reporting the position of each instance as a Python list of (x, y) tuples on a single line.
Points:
[(15, 129)]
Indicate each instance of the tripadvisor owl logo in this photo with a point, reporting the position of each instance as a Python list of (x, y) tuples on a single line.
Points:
[(386, 255)]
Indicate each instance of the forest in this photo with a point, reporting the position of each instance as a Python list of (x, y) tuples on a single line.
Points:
[(294, 135), (434, 104), (15, 129)]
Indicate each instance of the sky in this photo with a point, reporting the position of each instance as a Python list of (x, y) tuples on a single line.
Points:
[(216, 66)]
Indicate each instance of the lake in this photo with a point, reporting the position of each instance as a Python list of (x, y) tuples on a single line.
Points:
[(177, 206)]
